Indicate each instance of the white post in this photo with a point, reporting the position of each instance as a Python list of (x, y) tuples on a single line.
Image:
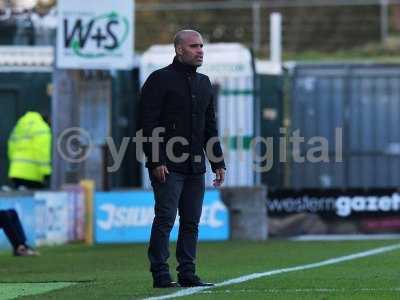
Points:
[(384, 20), (276, 38), (256, 9), (134, 26)]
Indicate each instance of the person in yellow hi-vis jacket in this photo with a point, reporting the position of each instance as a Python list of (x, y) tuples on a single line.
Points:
[(29, 152)]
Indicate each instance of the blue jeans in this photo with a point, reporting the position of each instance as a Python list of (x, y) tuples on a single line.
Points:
[(12, 227)]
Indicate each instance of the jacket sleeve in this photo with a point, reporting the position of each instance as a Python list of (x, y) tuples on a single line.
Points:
[(151, 105), (42, 146), (11, 146), (212, 145)]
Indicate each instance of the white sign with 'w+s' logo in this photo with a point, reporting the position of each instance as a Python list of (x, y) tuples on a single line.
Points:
[(95, 34)]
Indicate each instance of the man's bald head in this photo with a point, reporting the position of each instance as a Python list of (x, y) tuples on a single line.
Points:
[(189, 47), (181, 35)]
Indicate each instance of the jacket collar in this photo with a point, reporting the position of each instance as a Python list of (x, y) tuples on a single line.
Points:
[(183, 67)]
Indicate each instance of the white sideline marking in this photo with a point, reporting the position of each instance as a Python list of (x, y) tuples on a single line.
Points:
[(345, 237), (321, 290), (331, 261)]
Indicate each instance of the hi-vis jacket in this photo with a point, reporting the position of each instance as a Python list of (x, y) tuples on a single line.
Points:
[(29, 148)]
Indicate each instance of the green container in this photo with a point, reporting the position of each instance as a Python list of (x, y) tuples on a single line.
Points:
[(271, 119)]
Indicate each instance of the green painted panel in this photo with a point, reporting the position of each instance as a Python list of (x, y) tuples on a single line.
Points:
[(232, 92), (272, 110), (233, 142), (8, 104)]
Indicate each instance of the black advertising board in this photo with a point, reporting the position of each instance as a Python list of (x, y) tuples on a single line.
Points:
[(318, 211), (334, 203)]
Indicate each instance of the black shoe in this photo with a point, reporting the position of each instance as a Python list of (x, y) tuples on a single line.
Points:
[(192, 281), (164, 282)]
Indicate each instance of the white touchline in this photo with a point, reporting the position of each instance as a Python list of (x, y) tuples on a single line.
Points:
[(331, 261), (316, 290)]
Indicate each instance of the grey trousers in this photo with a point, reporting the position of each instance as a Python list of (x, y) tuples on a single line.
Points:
[(183, 193)]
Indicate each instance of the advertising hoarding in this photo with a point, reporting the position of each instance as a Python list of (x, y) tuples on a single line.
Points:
[(124, 217), (95, 34)]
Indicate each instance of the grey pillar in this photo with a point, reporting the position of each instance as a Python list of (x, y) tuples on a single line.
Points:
[(247, 212), (81, 117)]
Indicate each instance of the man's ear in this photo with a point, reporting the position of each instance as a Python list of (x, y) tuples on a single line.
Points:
[(179, 50)]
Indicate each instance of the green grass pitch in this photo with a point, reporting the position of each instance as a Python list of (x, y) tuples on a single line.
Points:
[(121, 272)]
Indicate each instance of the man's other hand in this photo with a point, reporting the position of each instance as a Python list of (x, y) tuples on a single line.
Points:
[(160, 173), (219, 177)]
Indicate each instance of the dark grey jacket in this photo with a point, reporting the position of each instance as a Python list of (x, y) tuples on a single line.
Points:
[(181, 101)]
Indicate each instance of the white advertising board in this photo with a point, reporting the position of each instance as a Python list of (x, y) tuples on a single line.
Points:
[(95, 34), (52, 218)]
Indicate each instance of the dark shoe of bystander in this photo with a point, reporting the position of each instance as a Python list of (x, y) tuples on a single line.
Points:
[(23, 250)]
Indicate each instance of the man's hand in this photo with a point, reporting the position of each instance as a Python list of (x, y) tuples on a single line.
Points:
[(219, 177), (160, 173)]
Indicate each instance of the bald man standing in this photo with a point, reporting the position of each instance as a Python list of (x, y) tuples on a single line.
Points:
[(178, 103)]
